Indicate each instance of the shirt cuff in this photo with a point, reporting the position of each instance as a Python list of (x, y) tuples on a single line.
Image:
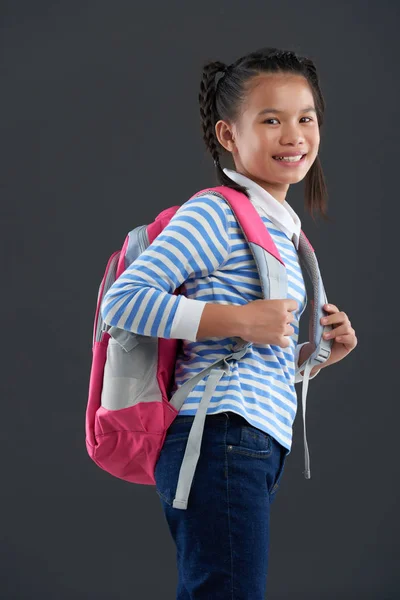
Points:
[(298, 376), (187, 318)]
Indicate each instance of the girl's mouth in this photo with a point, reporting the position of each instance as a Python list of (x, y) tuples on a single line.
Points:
[(289, 162)]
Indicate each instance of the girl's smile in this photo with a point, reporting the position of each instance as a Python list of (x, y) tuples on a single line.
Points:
[(291, 162)]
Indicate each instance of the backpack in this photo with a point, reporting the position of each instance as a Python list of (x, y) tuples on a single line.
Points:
[(127, 417)]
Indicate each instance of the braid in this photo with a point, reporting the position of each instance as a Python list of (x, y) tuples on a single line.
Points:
[(207, 106), (209, 114)]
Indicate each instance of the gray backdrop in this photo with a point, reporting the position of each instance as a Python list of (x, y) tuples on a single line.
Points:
[(100, 132)]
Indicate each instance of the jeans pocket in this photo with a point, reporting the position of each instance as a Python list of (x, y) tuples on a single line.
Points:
[(252, 442), (279, 474)]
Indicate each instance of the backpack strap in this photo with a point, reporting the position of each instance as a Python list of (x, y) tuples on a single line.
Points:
[(270, 266), (322, 347), (193, 446), (273, 278)]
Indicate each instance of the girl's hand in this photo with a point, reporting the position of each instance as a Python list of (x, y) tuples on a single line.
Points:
[(343, 334)]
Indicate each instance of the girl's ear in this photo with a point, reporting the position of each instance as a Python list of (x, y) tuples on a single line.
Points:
[(224, 135)]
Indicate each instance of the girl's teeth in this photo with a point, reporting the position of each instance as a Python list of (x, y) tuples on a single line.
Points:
[(289, 158)]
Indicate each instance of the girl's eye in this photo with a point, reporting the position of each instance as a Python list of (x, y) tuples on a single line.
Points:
[(277, 119)]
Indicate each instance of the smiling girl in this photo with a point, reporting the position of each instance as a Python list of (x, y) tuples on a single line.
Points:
[(265, 111)]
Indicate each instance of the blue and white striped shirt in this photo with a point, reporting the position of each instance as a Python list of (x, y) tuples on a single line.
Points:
[(203, 250)]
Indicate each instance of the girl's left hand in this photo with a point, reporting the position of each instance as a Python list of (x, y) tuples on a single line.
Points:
[(342, 333)]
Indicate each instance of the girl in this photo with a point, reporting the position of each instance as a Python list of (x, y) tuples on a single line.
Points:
[(266, 110)]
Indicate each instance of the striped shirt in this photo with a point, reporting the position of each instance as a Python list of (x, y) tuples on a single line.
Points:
[(203, 250)]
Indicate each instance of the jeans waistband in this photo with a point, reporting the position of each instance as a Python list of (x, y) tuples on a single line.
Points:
[(222, 416)]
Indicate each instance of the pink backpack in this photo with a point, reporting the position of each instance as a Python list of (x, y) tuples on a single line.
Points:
[(125, 425)]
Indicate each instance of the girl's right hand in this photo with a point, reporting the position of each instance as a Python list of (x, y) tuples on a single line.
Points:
[(268, 321)]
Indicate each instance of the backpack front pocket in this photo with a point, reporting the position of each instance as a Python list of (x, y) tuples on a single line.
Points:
[(130, 371)]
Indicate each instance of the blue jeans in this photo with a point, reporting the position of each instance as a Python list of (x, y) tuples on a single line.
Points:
[(222, 538)]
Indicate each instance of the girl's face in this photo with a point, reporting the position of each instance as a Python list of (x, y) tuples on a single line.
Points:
[(258, 136)]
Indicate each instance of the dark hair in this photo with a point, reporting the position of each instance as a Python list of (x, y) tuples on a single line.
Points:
[(222, 99)]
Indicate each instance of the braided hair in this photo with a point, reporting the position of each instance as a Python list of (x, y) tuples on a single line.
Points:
[(222, 91)]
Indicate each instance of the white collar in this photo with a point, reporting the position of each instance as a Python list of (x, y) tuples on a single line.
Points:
[(281, 214)]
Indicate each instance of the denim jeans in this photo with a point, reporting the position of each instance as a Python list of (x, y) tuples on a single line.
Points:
[(222, 538)]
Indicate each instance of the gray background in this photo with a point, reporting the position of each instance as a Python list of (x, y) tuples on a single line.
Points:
[(100, 132)]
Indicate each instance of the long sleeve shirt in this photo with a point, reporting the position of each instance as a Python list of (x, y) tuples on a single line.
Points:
[(203, 250)]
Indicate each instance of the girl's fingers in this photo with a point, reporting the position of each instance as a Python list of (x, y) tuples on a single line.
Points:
[(341, 324), (347, 338), (331, 308), (335, 318), (340, 338), (334, 333)]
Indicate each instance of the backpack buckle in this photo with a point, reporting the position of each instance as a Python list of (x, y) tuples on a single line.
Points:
[(323, 355)]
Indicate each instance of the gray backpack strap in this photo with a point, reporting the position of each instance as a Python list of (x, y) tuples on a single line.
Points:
[(273, 276), (272, 273), (273, 279), (322, 347), (192, 451)]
